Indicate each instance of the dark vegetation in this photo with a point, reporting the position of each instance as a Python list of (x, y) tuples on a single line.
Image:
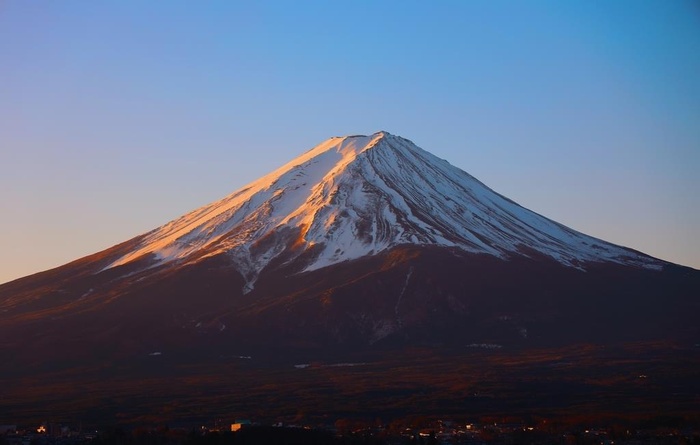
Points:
[(585, 382), (249, 436)]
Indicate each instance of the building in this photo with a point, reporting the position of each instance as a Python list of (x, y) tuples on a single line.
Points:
[(240, 423)]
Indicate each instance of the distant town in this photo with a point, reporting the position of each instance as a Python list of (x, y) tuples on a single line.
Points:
[(659, 430)]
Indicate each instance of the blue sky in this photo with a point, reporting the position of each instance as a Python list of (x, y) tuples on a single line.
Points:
[(116, 117)]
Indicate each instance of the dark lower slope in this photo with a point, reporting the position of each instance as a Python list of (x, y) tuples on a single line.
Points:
[(408, 296), (185, 333), (440, 297), (582, 382)]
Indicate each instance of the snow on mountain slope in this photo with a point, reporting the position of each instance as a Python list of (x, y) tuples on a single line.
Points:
[(353, 196)]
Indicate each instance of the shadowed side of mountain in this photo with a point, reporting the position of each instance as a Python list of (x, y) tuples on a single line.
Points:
[(405, 297)]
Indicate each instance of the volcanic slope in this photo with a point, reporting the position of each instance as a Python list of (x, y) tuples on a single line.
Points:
[(356, 196), (361, 245)]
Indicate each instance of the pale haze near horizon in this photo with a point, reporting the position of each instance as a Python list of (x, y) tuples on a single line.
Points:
[(116, 117)]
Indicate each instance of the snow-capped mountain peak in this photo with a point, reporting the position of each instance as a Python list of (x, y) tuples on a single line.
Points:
[(354, 196)]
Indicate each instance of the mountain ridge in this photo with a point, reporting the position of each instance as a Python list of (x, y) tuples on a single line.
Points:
[(358, 195)]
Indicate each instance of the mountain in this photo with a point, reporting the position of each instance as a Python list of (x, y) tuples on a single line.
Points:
[(363, 250), (358, 196)]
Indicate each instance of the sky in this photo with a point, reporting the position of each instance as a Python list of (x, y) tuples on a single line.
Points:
[(118, 116)]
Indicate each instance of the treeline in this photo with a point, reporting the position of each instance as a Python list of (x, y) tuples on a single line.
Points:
[(253, 435)]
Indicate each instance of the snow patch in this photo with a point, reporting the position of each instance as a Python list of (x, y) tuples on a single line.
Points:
[(398, 302)]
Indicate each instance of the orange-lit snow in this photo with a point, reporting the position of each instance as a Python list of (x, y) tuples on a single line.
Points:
[(358, 195)]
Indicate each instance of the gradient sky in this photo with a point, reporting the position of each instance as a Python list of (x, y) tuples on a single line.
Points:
[(118, 116)]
